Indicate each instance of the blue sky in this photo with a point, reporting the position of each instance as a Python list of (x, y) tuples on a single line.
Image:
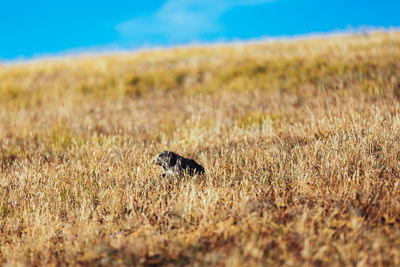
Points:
[(30, 29)]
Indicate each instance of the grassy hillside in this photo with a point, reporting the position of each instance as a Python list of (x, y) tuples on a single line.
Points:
[(299, 139)]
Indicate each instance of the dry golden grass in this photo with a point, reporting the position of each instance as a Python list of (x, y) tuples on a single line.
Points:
[(300, 141)]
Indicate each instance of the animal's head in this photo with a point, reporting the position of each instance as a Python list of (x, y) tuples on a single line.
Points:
[(165, 159)]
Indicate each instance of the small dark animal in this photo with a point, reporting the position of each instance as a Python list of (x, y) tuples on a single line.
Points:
[(174, 164)]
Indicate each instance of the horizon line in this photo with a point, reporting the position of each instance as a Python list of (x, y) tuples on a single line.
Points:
[(109, 50)]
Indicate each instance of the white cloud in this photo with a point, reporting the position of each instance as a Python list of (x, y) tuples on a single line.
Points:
[(180, 21)]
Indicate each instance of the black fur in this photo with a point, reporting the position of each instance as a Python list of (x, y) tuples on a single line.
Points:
[(175, 164)]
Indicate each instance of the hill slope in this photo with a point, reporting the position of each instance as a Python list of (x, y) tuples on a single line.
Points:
[(299, 139)]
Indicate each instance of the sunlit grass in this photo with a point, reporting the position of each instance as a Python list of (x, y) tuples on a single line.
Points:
[(299, 139)]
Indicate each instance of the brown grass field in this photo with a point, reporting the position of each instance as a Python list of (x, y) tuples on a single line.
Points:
[(300, 140)]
